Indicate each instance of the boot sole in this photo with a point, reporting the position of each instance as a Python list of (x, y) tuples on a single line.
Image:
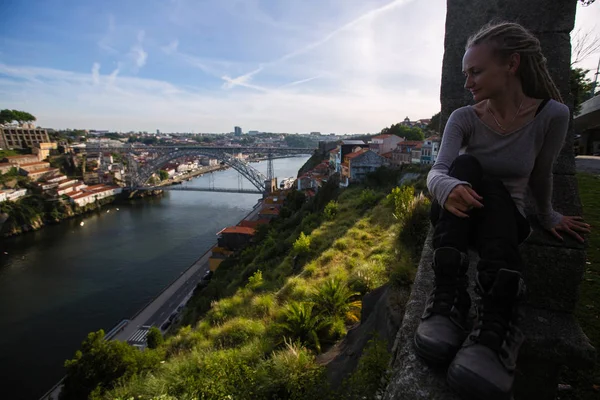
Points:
[(470, 393), (431, 356)]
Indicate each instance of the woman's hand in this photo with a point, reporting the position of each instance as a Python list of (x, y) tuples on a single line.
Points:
[(571, 225), (461, 200)]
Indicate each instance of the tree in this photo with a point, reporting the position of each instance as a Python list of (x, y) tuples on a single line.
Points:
[(163, 175), (8, 116), (101, 364), (584, 45), (154, 338), (403, 131), (581, 88), (434, 125)]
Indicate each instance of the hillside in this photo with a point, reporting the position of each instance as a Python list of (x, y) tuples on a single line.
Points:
[(254, 332)]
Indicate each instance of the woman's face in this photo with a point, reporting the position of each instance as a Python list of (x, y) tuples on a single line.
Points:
[(486, 76)]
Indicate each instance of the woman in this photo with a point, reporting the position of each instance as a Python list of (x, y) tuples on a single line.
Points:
[(511, 138)]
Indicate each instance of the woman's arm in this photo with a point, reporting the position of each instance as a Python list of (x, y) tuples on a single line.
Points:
[(540, 180), (438, 181)]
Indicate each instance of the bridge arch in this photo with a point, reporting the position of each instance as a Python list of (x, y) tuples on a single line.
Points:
[(246, 170)]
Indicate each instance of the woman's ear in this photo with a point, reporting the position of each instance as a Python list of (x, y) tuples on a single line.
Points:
[(514, 60)]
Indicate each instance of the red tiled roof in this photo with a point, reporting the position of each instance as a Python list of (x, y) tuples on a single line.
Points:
[(269, 211), (387, 155), (21, 156), (249, 224), (42, 171), (356, 153), (243, 230), (382, 136), (35, 163), (410, 143)]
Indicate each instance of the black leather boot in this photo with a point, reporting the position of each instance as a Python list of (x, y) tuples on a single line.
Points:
[(484, 367), (443, 325)]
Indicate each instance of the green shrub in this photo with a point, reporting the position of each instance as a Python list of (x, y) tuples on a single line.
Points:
[(292, 373), (331, 210), (370, 378), (301, 323), (103, 364), (367, 198), (302, 244), (256, 281), (154, 338), (416, 225), (341, 244), (264, 305), (334, 299), (237, 332), (401, 200)]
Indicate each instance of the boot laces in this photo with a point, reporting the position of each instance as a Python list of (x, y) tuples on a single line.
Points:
[(493, 326), (446, 294)]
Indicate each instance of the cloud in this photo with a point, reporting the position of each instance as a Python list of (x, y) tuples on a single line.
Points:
[(171, 48), (137, 53), (105, 41), (243, 80), (141, 104), (96, 73), (368, 16), (301, 81)]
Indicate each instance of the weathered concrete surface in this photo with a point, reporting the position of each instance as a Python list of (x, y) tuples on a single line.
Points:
[(412, 378), (589, 164)]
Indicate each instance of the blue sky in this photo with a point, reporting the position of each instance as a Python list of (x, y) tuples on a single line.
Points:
[(344, 66)]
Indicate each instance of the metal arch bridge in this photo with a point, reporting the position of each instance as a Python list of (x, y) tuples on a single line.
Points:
[(138, 175)]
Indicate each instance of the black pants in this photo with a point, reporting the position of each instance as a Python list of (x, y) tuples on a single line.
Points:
[(496, 230)]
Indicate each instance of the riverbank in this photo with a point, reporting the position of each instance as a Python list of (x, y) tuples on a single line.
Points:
[(144, 317), (25, 215)]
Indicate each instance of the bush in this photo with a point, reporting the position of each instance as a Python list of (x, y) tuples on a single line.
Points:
[(302, 244), (154, 338), (255, 282), (370, 378), (416, 225), (292, 373), (301, 323), (331, 210), (401, 200), (367, 198), (334, 299), (103, 364), (237, 332)]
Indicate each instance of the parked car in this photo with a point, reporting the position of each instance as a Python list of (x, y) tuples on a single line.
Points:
[(207, 276), (166, 325)]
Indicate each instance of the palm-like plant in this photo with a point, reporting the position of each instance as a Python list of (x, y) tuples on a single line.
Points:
[(335, 299), (301, 323)]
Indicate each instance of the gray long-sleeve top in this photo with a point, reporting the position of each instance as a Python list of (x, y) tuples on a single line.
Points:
[(519, 159)]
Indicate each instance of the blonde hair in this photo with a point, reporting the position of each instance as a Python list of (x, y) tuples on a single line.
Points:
[(507, 38)]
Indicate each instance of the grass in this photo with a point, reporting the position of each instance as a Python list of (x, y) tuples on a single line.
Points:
[(269, 310), (586, 384)]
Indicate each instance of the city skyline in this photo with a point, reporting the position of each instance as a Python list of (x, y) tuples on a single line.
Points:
[(177, 66)]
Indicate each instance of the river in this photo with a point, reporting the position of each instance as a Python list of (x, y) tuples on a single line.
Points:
[(65, 280)]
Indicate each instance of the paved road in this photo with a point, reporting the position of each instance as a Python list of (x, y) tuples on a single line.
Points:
[(163, 313), (589, 164)]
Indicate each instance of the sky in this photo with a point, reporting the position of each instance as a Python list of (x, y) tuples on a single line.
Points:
[(342, 66)]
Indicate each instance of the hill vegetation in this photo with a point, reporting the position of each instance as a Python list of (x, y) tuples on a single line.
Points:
[(254, 332)]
